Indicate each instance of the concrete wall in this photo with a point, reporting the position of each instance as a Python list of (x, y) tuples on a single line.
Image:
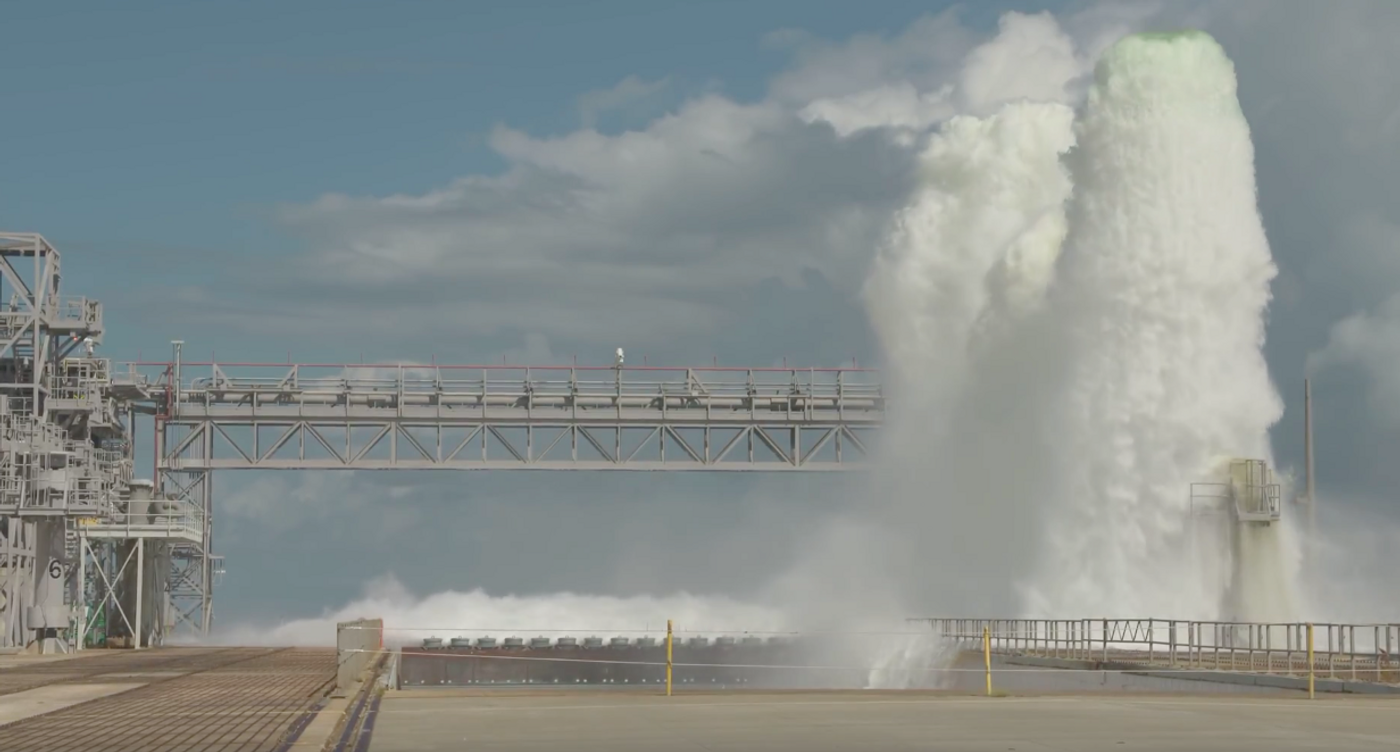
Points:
[(357, 644)]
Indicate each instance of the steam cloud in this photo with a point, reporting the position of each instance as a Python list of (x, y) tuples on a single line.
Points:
[(1072, 308), (409, 618)]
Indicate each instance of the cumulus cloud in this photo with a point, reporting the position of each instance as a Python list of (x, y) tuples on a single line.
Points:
[(1370, 343), (1031, 58), (628, 92), (668, 231), (640, 235), (280, 503), (927, 54)]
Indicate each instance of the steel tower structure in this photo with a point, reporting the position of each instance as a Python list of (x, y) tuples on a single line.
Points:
[(80, 541), (92, 554)]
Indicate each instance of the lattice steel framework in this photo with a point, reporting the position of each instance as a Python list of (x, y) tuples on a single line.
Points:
[(65, 463), (89, 552), (217, 416), (503, 417)]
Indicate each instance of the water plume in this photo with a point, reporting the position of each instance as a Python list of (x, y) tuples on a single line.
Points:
[(1072, 308), (1160, 296)]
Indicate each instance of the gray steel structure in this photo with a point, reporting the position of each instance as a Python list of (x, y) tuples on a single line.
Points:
[(81, 542), (398, 417), (214, 416), (86, 548)]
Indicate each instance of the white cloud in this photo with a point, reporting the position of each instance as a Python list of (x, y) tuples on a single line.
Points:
[(927, 54), (1369, 342), (589, 236), (281, 502), (1030, 58), (629, 91), (654, 234), (899, 105)]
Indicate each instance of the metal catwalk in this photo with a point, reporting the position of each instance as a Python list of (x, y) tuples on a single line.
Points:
[(90, 554)]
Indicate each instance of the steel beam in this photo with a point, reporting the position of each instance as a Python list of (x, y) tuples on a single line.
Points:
[(249, 443)]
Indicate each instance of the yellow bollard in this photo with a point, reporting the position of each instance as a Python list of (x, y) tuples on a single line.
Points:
[(987, 656), (668, 657), (1311, 672)]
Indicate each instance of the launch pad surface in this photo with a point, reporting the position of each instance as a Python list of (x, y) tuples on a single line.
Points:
[(282, 700), (188, 699), (491, 721)]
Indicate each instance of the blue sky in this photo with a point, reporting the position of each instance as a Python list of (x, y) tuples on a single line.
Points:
[(180, 156), (154, 141)]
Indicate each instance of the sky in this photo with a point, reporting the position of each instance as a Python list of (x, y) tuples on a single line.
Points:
[(537, 181)]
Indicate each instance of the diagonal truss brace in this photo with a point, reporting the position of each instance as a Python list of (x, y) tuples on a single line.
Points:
[(219, 445)]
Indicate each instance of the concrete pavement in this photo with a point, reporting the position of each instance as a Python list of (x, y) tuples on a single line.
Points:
[(879, 722)]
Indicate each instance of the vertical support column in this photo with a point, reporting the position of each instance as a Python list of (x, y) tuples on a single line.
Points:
[(140, 585), (669, 636), (187, 480), (206, 550), (987, 656), (1312, 674), (81, 600), (1310, 547)]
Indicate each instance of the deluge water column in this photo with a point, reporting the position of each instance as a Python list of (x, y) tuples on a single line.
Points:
[(1160, 297)]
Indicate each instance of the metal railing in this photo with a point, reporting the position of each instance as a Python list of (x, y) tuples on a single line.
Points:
[(76, 311), (791, 391), (165, 518), (1357, 652)]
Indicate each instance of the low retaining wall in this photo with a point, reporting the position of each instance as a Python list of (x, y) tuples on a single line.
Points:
[(357, 643)]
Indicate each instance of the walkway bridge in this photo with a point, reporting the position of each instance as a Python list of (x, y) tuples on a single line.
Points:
[(315, 416), (410, 417), (92, 554)]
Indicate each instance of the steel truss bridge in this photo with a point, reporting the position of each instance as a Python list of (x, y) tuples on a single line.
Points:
[(89, 554), (396, 417)]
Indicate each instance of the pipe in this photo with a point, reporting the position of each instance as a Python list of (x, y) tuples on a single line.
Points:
[(1308, 460)]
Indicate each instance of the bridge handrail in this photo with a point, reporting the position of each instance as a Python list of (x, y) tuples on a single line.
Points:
[(671, 388), (222, 383), (205, 364), (1360, 650)]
